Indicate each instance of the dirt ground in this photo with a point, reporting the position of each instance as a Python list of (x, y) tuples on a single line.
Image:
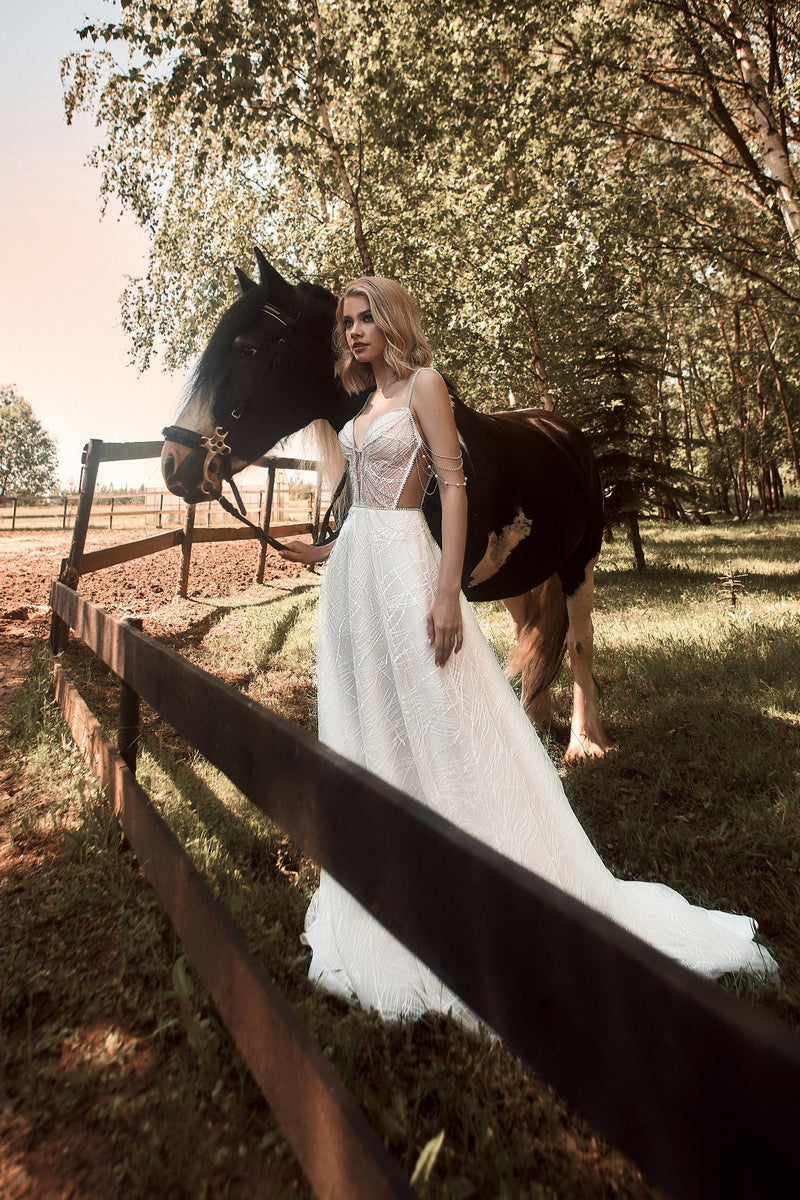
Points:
[(29, 561)]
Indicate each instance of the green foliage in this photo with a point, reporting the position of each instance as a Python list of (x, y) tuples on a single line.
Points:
[(28, 454), (555, 182)]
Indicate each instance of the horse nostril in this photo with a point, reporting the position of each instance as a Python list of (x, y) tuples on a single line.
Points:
[(168, 469)]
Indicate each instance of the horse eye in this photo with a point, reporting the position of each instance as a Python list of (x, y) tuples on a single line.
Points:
[(248, 351)]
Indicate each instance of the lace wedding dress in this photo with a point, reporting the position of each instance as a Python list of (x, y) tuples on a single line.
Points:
[(456, 739)]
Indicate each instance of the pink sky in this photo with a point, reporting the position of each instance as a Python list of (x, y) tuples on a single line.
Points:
[(63, 268)]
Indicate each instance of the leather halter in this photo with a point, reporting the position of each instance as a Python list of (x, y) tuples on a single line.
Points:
[(216, 446), (217, 443)]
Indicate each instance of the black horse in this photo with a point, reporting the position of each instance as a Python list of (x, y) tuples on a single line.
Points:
[(535, 498)]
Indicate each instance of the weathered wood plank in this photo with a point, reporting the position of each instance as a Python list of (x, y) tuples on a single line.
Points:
[(224, 533), (667, 1066), (121, 451), (335, 1144), (287, 464), (111, 556)]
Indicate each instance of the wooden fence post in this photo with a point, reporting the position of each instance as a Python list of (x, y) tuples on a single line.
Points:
[(129, 706), (262, 552), (317, 505), (71, 566), (186, 551)]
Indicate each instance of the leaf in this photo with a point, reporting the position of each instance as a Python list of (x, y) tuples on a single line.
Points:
[(181, 980), (427, 1160)]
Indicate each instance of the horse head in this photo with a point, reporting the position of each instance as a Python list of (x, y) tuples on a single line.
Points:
[(267, 372)]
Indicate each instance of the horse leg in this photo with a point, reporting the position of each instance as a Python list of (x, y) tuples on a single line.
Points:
[(540, 623), (587, 739)]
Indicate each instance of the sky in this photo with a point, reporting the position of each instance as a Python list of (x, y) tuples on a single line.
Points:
[(63, 268)]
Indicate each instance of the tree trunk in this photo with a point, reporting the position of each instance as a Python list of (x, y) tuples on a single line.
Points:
[(779, 388), (335, 152), (776, 158), (630, 523), (688, 438), (777, 486), (544, 398)]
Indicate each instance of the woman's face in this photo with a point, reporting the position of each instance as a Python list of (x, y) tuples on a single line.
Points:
[(365, 339)]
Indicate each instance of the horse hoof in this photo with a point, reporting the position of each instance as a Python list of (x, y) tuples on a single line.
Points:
[(581, 748)]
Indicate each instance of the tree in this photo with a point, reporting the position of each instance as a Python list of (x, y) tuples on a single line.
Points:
[(28, 454), (577, 192)]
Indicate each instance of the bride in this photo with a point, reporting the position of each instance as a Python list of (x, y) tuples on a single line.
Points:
[(409, 688)]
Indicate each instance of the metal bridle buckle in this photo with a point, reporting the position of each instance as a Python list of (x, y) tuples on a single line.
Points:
[(214, 445)]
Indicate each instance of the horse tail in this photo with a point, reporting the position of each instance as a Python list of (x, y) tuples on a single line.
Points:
[(541, 621)]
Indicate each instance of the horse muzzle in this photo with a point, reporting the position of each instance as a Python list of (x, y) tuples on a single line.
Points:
[(194, 466)]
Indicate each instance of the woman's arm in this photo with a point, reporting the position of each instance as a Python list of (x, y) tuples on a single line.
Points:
[(434, 415), (302, 552)]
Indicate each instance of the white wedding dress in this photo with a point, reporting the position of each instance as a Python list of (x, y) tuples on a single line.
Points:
[(456, 739)]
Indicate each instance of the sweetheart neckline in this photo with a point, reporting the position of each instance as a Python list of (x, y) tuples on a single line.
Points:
[(385, 413)]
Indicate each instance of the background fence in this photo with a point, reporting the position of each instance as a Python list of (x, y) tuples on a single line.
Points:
[(293, 502)]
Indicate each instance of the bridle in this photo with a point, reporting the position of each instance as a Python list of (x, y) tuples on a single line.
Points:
[(216, 445)]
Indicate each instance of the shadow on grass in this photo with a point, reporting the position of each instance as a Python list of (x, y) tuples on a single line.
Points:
[(702, 792), (198, 630), (231, 844), (114, 1083)]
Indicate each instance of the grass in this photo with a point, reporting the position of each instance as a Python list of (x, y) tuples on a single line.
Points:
[(114, 1070), (699, 693)]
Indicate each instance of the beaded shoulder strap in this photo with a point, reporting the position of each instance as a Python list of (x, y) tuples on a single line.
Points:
[(411, 386), (437, 466)]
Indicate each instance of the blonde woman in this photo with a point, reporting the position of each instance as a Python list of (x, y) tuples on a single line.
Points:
[(409, 688)]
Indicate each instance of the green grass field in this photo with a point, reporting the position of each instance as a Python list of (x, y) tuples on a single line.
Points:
[(698, 663)]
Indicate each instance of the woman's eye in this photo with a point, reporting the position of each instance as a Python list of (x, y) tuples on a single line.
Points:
[(348, 324), (368, 318)]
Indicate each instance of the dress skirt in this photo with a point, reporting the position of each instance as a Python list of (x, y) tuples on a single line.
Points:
[(457, 739)]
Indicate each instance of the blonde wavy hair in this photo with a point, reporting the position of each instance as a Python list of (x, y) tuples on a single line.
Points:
[(396, 315)]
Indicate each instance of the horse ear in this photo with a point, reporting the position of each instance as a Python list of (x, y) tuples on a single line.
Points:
[(245, 282), (281, 291)]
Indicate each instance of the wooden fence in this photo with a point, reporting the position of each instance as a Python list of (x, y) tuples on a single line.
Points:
[(699, 1089), (292, 502), (79, 563)]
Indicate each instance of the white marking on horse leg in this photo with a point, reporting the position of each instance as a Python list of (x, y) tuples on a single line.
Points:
[(587, 739), (499, 546)]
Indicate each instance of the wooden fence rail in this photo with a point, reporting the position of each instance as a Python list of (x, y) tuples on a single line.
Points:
[(699, 1089), (78, 562)]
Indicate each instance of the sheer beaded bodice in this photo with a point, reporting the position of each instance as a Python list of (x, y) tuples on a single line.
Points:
[(380, 467)]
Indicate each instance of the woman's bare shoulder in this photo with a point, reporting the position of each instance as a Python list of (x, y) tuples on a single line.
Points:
[(429, 384)]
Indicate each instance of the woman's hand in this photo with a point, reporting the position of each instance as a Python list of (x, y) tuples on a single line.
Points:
[(303, 552), (444, 625)]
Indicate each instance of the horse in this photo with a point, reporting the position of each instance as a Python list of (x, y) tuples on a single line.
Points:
[(535, 498)]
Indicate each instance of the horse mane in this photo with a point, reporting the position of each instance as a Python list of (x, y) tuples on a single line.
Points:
[(216, 358), (320, 441)]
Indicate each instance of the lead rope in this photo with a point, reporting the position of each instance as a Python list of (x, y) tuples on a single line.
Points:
[(323, 538)]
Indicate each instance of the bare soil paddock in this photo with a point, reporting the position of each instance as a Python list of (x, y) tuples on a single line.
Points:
[(30, 560)]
